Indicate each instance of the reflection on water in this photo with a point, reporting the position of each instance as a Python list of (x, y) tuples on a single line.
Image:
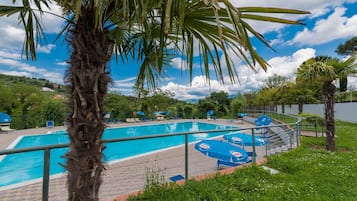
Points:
[(201, 136)]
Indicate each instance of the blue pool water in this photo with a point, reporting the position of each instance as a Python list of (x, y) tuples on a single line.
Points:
[(17, 168)]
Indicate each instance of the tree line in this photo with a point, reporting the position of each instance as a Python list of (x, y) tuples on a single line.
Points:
[(30, 107)]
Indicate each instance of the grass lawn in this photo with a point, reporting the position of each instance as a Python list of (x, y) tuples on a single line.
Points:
[(306, 173)]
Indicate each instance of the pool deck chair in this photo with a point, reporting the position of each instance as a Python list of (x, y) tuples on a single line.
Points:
[(6, 128), (50, 124), (177, 178)]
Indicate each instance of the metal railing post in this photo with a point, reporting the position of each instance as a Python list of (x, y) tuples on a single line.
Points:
[(186, 156), (291, 136), (266, 148), (46, 174), (315, 125), (253, 143), (297, 130)]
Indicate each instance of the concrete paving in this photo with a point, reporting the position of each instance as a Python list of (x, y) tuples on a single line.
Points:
[(124, 176)]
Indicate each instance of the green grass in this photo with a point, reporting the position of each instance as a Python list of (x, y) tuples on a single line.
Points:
[(306, 173)]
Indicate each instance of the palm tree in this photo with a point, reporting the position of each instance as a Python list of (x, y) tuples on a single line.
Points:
[(349, 47), (326, 71), (142, 29), (283, 93)]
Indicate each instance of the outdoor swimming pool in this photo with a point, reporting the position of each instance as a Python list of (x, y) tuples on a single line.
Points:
[(22, 167)]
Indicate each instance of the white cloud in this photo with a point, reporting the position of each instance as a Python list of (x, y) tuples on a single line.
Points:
[(46, 49), (124, 86), (178, 63), (25, 69), (336, 26), (16, 73), (287, 65), (9, 55), (316, 8), (13, 34), (62, 63), (197, 89), (12, 37), (248, 80)]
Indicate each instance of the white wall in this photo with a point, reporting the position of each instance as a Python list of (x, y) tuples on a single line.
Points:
[(343, 111)]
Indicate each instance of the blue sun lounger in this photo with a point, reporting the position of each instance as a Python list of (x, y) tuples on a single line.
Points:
[(177, 178)]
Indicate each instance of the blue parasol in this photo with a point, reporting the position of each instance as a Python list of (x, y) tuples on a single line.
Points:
[(222, 151), (241, 115), (210, 112), (263, 120), (140, 113), (5, 118), (244, 139), (159, 113)]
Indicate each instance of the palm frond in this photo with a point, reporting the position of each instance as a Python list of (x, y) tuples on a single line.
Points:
[(29, 17), (272, 10), (316, 70), (31, 23), (344, 68), (269, 19), (208, 26)]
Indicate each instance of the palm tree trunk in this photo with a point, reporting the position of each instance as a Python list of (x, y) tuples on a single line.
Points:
[(87, 80), (283, 108), (328, 91), (300, 105)]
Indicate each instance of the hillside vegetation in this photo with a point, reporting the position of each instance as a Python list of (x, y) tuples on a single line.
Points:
[(29, 105)]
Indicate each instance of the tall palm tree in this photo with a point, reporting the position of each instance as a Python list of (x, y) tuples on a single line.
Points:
[(326, 71), (283, 93), (142, 29)]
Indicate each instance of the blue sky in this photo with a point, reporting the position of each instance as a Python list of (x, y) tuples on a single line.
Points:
[(330, 23)]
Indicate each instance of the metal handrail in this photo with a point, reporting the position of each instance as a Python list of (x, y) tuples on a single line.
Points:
[(47, 149)]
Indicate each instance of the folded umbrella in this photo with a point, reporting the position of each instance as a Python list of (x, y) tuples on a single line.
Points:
[(222, 151), (244, 139)]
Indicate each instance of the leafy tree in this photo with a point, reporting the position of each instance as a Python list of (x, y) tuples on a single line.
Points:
[(6, 99), (162, 100), (120, 106), (205, 105), (300, 96), (237, 105), (275, 81), (265, 98), (250, 97), (347, 48), (327, 71), (283, 94), (28, 104), (188, 111), (141, 29), (221, 101), (54, 110)]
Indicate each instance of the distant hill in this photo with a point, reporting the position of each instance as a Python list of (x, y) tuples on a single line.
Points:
[(43, 84)]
